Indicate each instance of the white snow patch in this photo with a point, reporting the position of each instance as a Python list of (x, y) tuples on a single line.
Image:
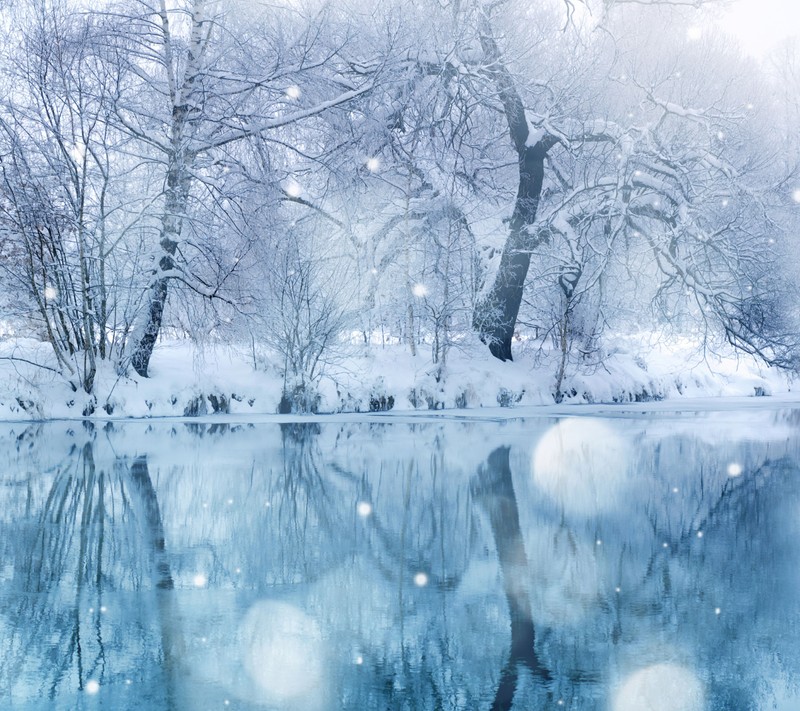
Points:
[(222, 382)]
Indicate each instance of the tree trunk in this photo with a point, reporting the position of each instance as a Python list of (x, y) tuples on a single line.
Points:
[(186, 111), (177, 197), (496, 315), (159, 287), (143, 350)]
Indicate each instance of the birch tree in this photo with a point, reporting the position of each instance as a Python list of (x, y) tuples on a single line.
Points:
[(59, 201), (191, 93)]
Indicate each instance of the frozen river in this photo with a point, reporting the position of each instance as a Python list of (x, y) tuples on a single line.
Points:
[(627, 563)]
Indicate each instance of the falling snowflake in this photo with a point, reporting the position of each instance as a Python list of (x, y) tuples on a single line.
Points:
[(796, 195), (373, 164), (50, 293), (293, 92), (364, 508), (92, 687), (694, 33), (78, 152), (661, 686), (734, 469), (583, 464), (420, 580), (284, 654), (293, 190), (419, 290), (200, 580)]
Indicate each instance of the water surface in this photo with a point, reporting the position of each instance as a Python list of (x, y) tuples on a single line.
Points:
[(620, 564)]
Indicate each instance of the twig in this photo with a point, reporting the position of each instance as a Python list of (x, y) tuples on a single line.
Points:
[(30, 362)]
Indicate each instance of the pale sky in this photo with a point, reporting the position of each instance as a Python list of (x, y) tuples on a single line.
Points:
[(760, 24)]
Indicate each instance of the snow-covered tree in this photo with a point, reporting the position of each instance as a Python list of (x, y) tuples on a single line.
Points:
[(191, 92), (63, 206)]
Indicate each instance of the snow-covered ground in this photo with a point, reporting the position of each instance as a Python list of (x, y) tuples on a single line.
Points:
[(189, 380)]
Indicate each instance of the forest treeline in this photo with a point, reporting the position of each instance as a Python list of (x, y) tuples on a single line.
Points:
[(297, 176)]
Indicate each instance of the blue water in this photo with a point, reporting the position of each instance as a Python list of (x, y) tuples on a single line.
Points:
[(621, 564)]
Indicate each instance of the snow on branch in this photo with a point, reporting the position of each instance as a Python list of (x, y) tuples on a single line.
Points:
[(263, 127), (723, 167)]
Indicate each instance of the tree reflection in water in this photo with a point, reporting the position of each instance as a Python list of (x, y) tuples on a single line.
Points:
[(464, 584), (494, 490), (83, 567)]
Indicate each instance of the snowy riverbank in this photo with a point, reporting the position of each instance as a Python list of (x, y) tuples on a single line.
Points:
[(191, 381)]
